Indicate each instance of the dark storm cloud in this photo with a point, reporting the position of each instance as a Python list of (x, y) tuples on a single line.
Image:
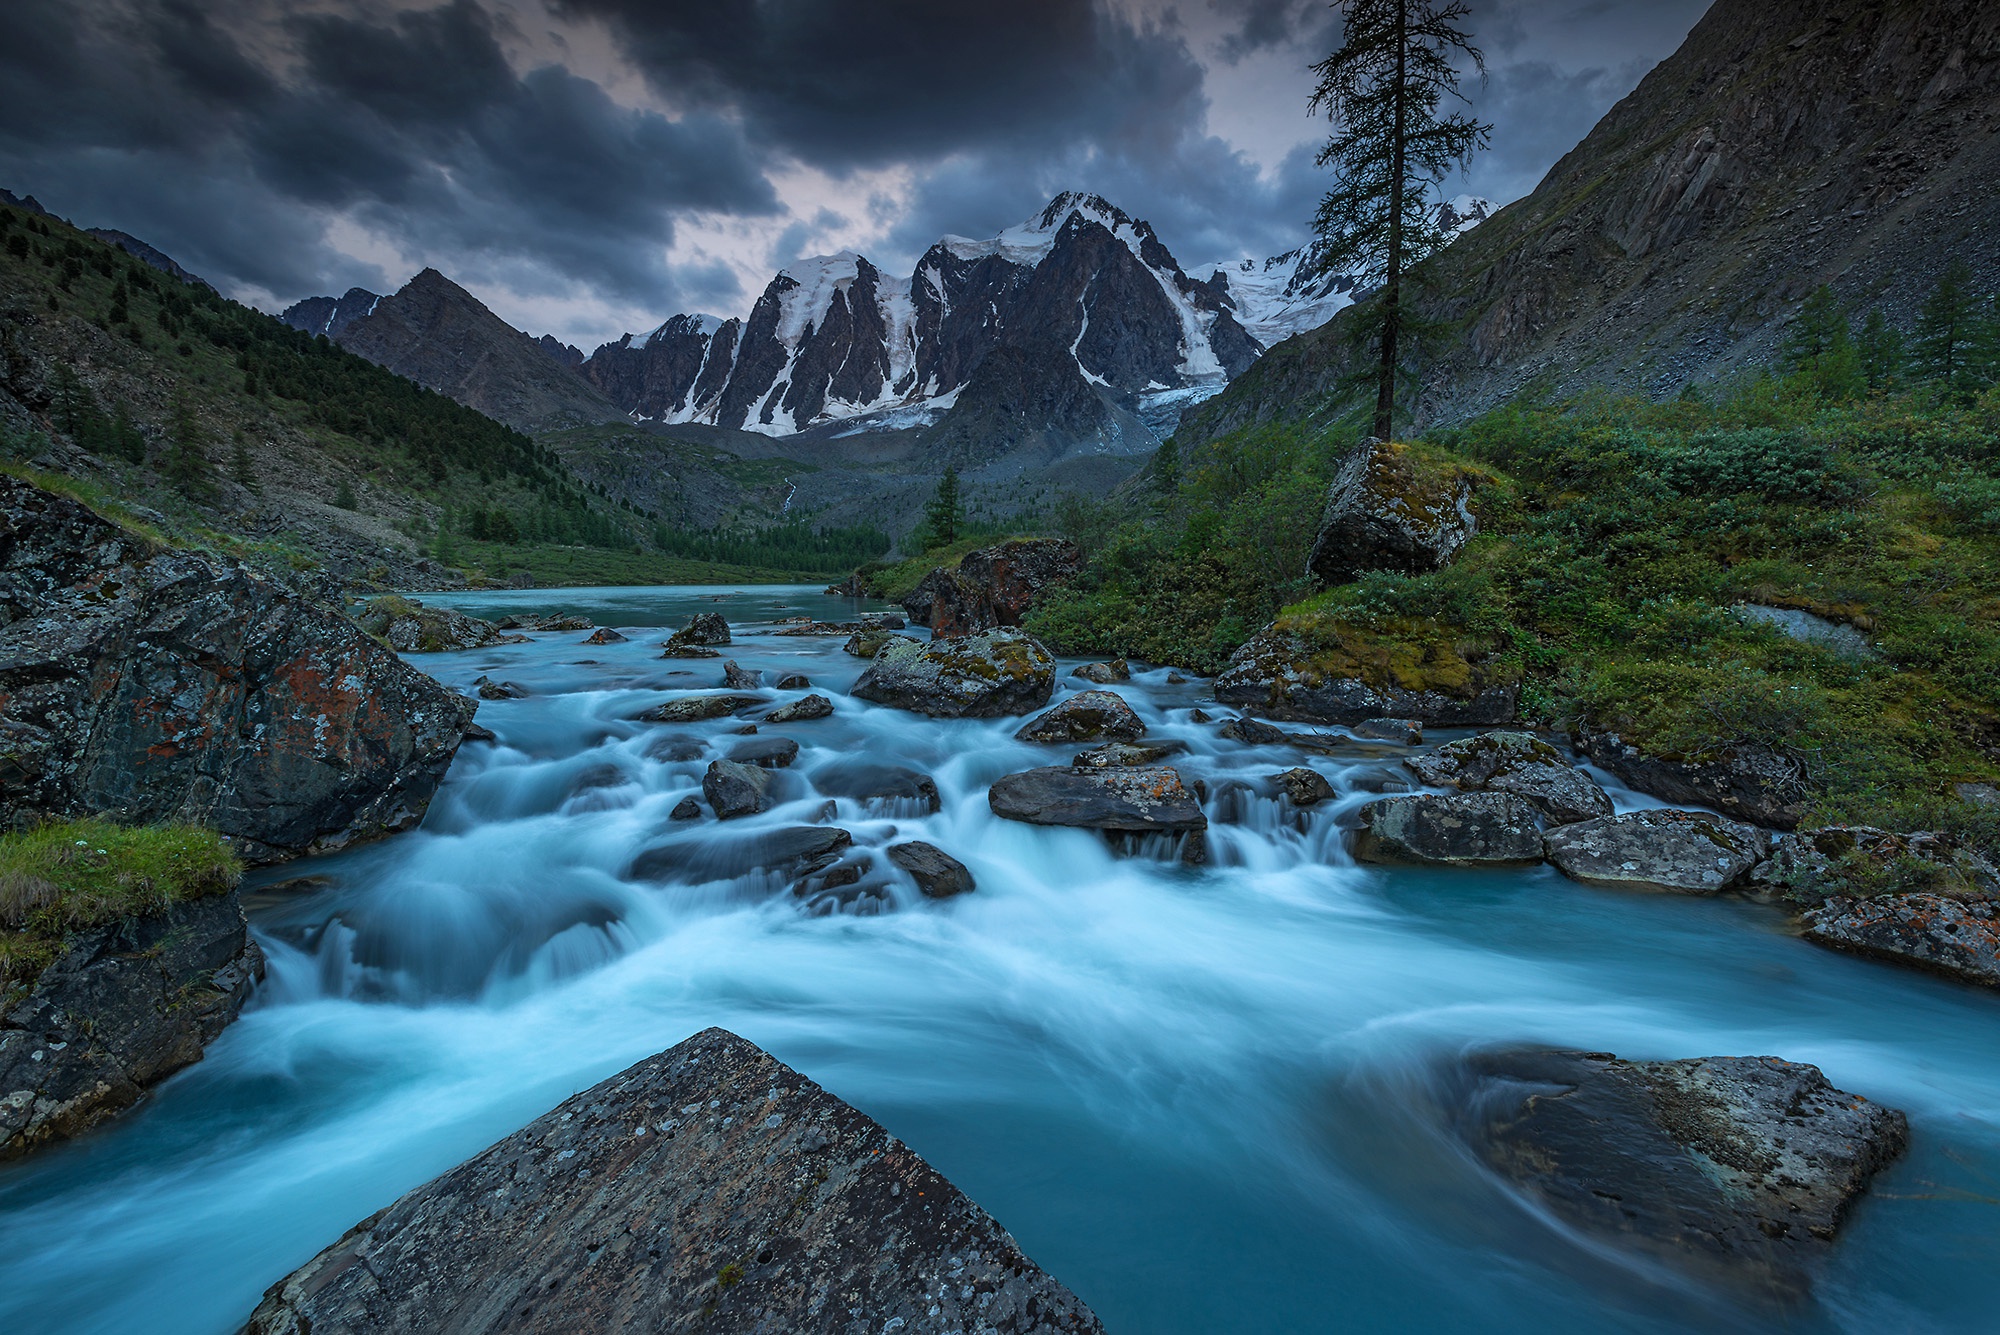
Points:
[(415, 125)]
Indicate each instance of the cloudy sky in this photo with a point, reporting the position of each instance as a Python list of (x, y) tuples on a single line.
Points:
[(591, 166)]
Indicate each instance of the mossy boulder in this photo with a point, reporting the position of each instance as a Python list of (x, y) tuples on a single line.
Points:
[(1688, 852), (1316, 670), (987, 675), (1518, 763), (410, 627), (1088, 716), (1390, 507), (1752, 783), (1456, 830)]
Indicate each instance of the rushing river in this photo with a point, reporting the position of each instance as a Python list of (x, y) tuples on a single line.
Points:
[(1207, 1099)]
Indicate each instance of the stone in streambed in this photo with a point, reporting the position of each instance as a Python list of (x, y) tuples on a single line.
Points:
[(1958, 938), (1518, 763), (1253, 732), (1125, 755), (1739, 1166), (501, 690), (1689, 852), (735, 678), (1104, 674), (1408, 731), (1305, 787), (794, 681), (121, 1009), (605, 635), (734, 789), (986, 675), (867, 782), (710, 1187), (766, 752), (803, 710), (410, 627), (686, 809), (697, 708), (1458, 830), (717, 855), (937, 873), (870, 642), (1085, 717), (1131, 801), (703, 630)]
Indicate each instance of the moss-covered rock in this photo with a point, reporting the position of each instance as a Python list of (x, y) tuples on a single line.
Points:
[(987, 675), (1323, 671), (1392, 507)]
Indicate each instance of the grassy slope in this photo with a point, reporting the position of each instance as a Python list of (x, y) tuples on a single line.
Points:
[(1616, 538)]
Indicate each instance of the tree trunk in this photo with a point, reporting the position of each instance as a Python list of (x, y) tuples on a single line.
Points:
[(1392, 292)]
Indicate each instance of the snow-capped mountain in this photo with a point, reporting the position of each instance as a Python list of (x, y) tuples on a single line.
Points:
[(1276, 298), (834, 338)]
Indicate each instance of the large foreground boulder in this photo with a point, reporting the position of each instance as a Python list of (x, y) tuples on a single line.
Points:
[(986, 675), (1278, 673), (991, 587), (1741, 1166), (1390, 509), (708, 1188), (1690, 852), (1518, 763), (1751, 783), (1454, 830), (155, 686), (122, 1008), (1954, 937)]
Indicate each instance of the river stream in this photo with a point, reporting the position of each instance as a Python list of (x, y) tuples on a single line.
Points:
[(1208, 1099)]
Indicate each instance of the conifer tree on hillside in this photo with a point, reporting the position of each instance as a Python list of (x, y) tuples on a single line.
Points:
[(1820, 346), (946, 511), (1880, 349), (1954, 333), (1390, 148)]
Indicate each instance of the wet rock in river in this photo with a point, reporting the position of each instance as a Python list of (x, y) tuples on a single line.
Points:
[(1253, 732), (766, 752), (1085, 717), (1743, 1166), (986, 675), (802, 710), (765, 1195), (867, 782), (1750, 783), (605, 635), (1125, 755), (1518, 763), (1958, 938), (501, 690), (735, 789), (1690, 852), (1408, 731), (737, 678), (697, 708), (544, 622), (794, 681), (686, 809), (412, 628), (868, 643), (715, 855), (676, 747), (937, 873), (1134, 801), (1305, 787), (1455, 830), (703, 630), (1104, 674), (121, 1009)]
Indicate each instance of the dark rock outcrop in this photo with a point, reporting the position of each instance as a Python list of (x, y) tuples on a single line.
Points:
[(711, 1187), (992, 587), (870, 783), (1515, 762), (1955, 937), (1104, 674), (697, 708), (984, 675), (410, 627), (937, 873), (1279, 674), (1741, 1166), (802, 710), (765, 752), (868, 643), (1087, 716), (1686, 851), (1458, 830), (1747, 782), (703, 630), (1125, 800), (1388, 510), (123, 1008), (155, 686), (738, 678), (1305, 787), (605, 635), (1253, 732)]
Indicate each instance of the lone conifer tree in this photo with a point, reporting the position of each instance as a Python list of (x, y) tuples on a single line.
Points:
[(945, 512), (1382, 90)]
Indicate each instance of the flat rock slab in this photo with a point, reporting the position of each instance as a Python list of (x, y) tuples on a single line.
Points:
[(867, 781), (937, 873), (767, 752), (1689, 852), (710, 1188), (802, 710), (1451, 830), (790, 851), (1130, 800), (1087, 716), (698, 708), (1955, 937), (1124, 755), (1519, 763), (1746, 1165), (986, 675)]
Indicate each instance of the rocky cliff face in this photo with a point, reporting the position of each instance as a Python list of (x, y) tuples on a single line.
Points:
[(153, 685), (442, 337), (122, 1009), (331, 315), (708, 1188), (1784, 145)]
